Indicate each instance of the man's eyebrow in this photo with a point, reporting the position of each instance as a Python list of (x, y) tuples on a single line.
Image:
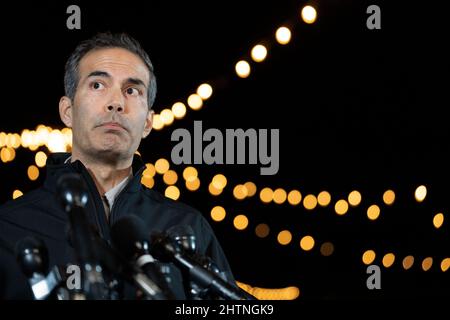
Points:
[(136, 81), (98, 73)]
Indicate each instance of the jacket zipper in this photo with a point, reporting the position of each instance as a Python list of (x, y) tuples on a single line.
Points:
[(119, 198), (100, 219)]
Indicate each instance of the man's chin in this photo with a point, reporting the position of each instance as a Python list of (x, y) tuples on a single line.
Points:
[(113, 153)]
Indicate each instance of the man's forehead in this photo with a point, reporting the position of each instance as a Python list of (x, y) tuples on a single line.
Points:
[(114, 59)]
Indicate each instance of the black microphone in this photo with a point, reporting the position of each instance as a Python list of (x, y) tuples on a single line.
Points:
[(73, 195), (166, 249), (32, 256), (184, 236), (130, 237)]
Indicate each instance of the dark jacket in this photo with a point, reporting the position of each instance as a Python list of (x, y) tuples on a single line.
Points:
[(38, 213)]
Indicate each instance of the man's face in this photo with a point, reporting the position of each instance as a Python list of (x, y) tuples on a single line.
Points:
[(109, 115)]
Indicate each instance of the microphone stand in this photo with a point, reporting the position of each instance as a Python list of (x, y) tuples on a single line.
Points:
[(73, 196)]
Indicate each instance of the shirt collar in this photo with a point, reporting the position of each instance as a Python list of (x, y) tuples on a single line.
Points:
[(112, 194)]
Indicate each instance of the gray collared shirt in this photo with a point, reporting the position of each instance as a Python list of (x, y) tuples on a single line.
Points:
[(110, 196)]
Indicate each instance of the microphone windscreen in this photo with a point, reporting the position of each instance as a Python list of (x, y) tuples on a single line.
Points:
[(184, 236), (32, 255), (71, 190), (126, 233)]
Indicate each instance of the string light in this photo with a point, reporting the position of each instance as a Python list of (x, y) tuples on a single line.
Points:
[(283, 35), (309, 14), (420, 193), (354, 198), (162, 166), (40, 158), (324, 198), (373, 212), (179, 110), (327, 249), (242, 69), (17, 194), (190, 173), (408, 262), (262, 230), (170, 177), (147, 181), (294, 197), (195, 102), (368, 257), (438, 220), (240, 192), (172, 192), (266, 195), (251, 188), (167, 117), (218, 213), (219, 181), (213, 190), (427, 263), (149, 171), (388, 260), (259, 53), (310, 202), (240, 222), (389, 197), (193, 185), (341, 207), (445, 264), (288, 293), (204, 91), (279, 196), (33, 172), (284, 237), (158, 124), (307, 243)]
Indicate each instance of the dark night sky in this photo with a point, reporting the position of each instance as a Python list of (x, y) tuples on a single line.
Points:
[(356, 108)]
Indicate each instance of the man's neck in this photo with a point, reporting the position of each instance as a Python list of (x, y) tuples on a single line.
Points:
[(105, 175)]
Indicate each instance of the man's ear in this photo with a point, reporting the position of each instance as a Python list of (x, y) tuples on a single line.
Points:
[(65, 111), (148, 124)]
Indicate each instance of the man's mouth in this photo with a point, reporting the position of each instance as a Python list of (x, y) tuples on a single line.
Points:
[(113, 126)]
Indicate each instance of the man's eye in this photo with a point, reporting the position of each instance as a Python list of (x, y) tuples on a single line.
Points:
[(132, 91), (97, 85)]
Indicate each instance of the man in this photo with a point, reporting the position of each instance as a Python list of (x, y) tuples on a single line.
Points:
[(110, 88)]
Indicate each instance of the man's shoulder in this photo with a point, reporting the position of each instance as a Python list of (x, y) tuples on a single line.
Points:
[(28, 200), (157, 199), (171, 212)]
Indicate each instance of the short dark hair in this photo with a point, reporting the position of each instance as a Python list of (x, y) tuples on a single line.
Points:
[(103, 41)]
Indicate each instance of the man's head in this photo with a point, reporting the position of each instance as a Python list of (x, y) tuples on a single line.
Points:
[(103, 41), (110, 88)]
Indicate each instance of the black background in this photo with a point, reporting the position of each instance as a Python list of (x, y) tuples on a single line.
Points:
[(356, 108)]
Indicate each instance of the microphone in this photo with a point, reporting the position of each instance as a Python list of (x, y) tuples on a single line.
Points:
[(73, 196), (166, 249), (32, 256), (184, 236), (130, 237)]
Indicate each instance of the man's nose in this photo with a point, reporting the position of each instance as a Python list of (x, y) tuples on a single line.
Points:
[(117, 102)]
